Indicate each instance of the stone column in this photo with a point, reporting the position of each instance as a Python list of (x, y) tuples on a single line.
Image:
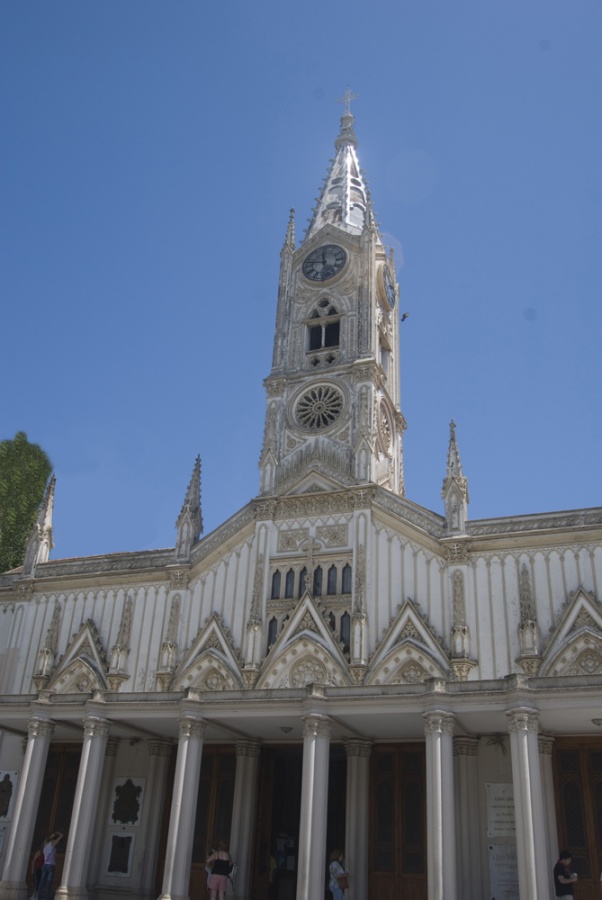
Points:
[(97, 861), (180, 837), (13, 886), (243, 811), (314, 807), (533, 876), (440, 817), (545, 745), (356, 817), (160, 751), (83, 815), (467, 831)]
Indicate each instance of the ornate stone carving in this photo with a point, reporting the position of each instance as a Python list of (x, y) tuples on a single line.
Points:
[(523, 719), (438, 722), (332, 535), (462, 667), (316, 726), (356, 747), (248, 749), (96, 727), (40, 728), (192, 728), (291, 539), (466, 746), (307, 671), (457, 551)]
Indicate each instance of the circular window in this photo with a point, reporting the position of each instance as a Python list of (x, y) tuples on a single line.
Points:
[(319, 407)]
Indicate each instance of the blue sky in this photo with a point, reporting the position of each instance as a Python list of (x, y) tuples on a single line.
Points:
[(150, 152)]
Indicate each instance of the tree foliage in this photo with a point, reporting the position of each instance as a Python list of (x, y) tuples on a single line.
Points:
[(24, 471)]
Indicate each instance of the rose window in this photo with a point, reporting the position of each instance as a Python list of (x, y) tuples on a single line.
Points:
[(309, 671), (319, 407)]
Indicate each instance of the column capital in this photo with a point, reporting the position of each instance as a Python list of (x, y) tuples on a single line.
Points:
[(40, 727), (545, 743), (160, 748), (438, 721), (465, 746), (249, 748), (192, 727), (358, 747), (523, 718), (316, 726), (96, 727)]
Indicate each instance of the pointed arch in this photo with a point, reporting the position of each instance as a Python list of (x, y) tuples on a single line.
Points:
[(211, 663), (83, 667), (409, 652), (576, 646)]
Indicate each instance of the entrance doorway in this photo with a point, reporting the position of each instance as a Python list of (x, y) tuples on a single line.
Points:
[(213, 813), (56, 802), (397, 834), (578, 790), (275, 861)]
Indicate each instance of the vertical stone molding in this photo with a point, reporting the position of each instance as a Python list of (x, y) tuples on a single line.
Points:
[(440, 817), (159, 752), (243, 812), (103, 803), (531, 843), (545, 744), (178, 853), (13, 886), (468, 838), (74, 879), (356, 815), (314, 802)]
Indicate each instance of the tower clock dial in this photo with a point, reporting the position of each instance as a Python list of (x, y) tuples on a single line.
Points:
[(324, 262), (388, 286)]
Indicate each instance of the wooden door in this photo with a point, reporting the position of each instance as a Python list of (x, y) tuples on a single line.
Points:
[(56, 802), (397, 836), (213, 814), (578, 790)]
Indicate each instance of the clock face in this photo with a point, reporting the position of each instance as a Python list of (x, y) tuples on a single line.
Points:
[(389, 286), (324, 263)]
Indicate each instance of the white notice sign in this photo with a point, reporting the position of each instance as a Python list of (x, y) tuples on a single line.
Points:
[(500, 811), (503, 872)]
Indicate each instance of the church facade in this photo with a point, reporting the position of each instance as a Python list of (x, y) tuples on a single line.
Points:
[(334, 667)]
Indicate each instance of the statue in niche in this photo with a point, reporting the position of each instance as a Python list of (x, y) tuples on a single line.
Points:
[(126, 807)]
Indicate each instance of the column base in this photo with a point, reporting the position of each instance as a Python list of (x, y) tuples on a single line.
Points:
[(64, 892), (13, 890)]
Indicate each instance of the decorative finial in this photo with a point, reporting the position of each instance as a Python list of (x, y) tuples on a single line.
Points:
[(346, 99)]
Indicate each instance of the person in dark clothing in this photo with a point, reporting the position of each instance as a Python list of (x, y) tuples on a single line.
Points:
[(564, 879)]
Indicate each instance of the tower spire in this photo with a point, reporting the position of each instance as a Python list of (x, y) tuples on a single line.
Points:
[(40, 543), (455, 487), (344, 200), (190, 520)]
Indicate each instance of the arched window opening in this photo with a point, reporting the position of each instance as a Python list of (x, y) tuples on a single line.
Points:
[(345, 630), (317, 582), (302, 579), (323, 326), (331, 587), (272, 631), (346, 586), (289, 584), (276, 585)]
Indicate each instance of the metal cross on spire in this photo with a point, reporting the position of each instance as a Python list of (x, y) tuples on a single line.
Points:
[(346, 99)]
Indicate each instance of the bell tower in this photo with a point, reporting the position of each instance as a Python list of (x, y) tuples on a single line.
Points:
[(333, 417)]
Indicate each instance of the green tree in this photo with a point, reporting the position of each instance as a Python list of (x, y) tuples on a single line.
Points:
[(24, 471)]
